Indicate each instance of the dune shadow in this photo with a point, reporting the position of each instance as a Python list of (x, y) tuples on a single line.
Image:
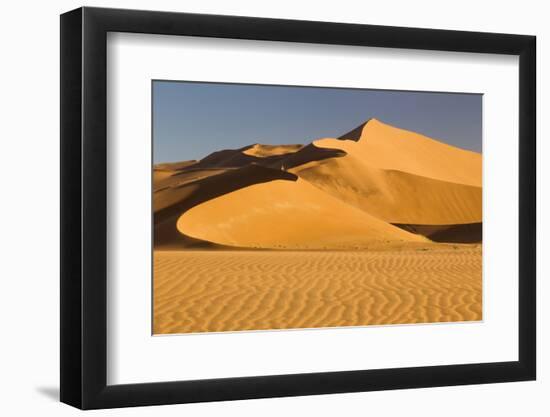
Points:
[(355, 134), (447, 233), (309, 153), (237, 158)]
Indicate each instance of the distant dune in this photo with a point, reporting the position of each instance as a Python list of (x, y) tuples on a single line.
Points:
[(265, 151), (373, 185)]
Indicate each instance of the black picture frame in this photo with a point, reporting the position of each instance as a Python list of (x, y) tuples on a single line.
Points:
[(84, 209)]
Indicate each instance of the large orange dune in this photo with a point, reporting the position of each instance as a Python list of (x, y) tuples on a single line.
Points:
[(173, 200), (286, 215), (373, 184), (389, 147), (391, 195)]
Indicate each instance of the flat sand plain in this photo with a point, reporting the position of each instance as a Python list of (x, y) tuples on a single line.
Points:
[(216, 291)]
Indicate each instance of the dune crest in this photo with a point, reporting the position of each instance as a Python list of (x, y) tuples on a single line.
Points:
[(263, 151), (389, 147)]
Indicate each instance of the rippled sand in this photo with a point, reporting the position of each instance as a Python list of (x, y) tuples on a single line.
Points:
[(215, 291)]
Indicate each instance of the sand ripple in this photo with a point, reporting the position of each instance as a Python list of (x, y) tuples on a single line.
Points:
[(213, 291)]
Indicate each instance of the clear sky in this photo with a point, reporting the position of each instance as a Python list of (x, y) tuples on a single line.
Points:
[(192, 120)]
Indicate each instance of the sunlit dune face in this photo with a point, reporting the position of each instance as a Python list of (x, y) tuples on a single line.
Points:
[(286, 215)]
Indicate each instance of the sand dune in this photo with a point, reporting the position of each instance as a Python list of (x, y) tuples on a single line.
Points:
[(391, 195), (307, 154), (259, 154), (387, 147), (172, 202), (162, 172), (171, 181), (286, 214), (391, 175), (177, 191), (174, 166), (276, 157), (264, 151), (207, 291)]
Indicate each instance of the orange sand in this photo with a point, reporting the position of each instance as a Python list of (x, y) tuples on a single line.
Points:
[(209, 291)]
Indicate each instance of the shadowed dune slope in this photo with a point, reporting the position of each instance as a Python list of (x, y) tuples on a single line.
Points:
[(387, 147), (453, 233), (265, 155), (162, 173), (307, 154), (286, 215), (276, 157), (174, 166), (173, 180)]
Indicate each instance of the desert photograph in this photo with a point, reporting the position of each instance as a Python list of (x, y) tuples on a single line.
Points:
[(282, 207)]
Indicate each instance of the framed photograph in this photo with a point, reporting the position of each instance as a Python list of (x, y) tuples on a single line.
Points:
[(259, 208)]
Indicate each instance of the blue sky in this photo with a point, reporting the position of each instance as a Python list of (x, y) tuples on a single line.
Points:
[(192, 120)]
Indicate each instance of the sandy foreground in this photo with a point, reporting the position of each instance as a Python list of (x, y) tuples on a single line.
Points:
[(216, 291)]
